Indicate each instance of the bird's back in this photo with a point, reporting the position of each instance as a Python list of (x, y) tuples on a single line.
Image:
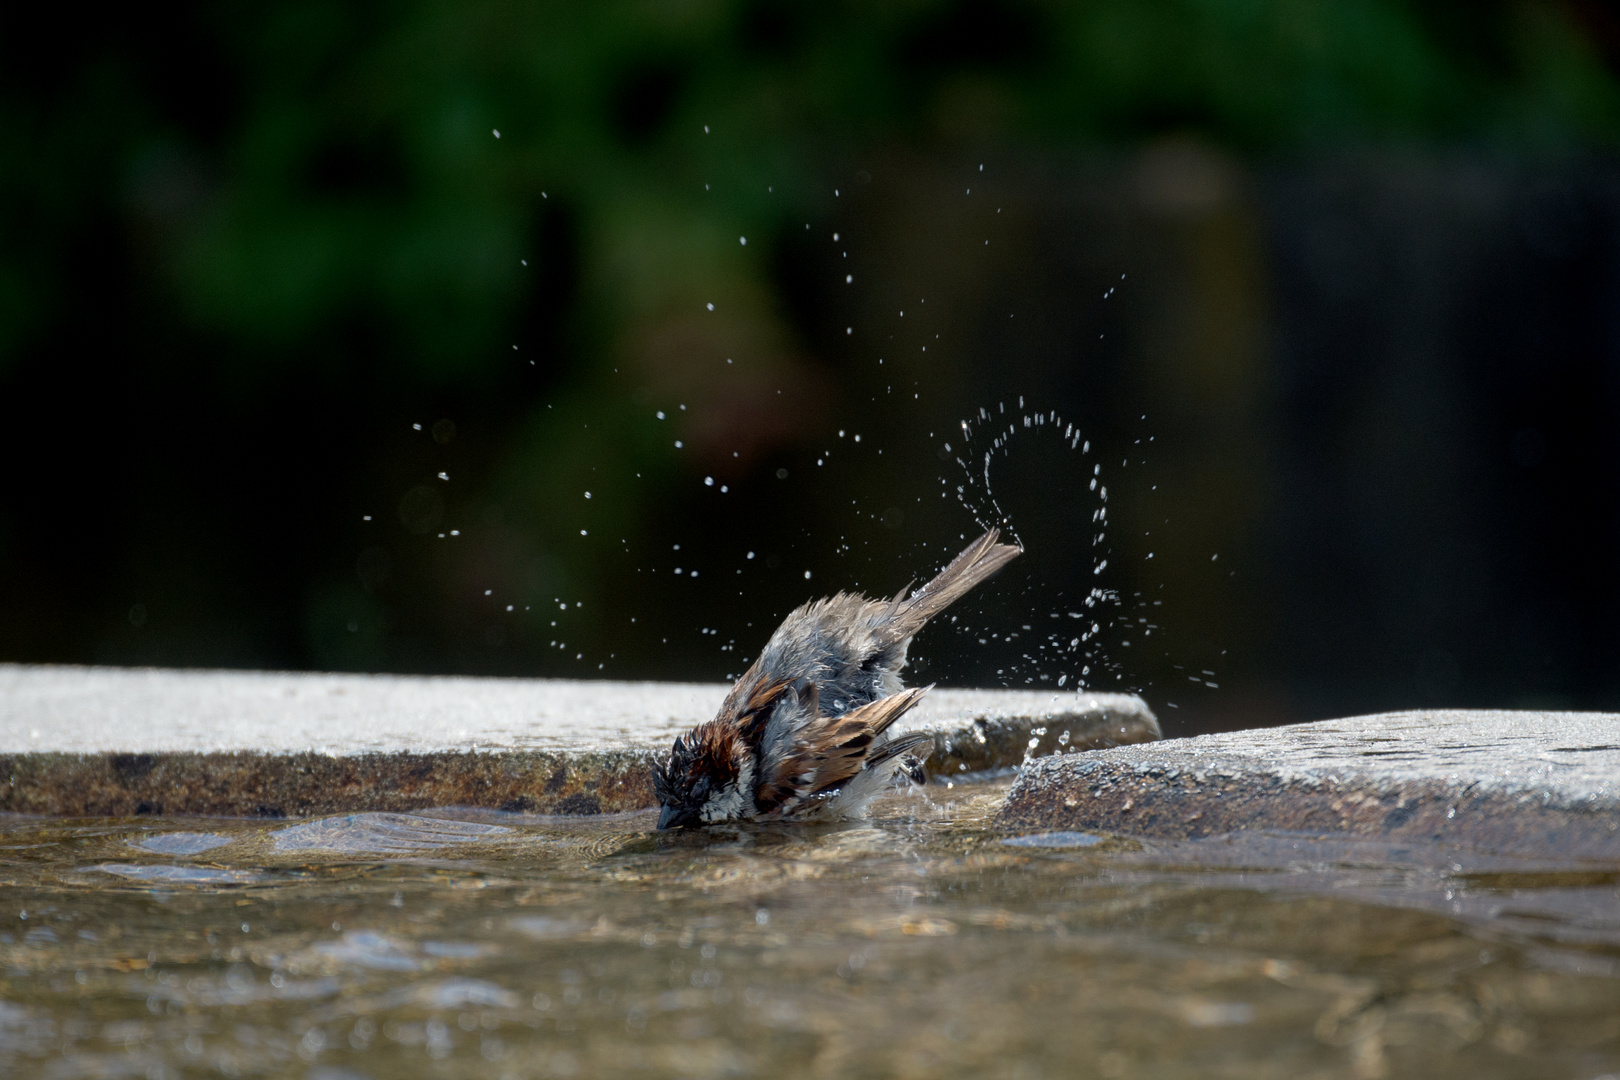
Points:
[(852, 648), (845, 644)]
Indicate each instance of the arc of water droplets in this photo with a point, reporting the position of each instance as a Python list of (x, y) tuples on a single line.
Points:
[(1000, 442), (1002, 439)]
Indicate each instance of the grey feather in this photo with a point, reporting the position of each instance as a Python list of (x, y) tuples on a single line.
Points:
[(853, 648)]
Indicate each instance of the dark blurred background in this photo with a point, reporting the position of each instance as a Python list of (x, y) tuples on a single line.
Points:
[(438, 337)]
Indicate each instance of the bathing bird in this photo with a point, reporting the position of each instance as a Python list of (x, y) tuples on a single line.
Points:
[(803, 733)]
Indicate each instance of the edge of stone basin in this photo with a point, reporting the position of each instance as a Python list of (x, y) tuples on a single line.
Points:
[(88, 742), (1511, 782)]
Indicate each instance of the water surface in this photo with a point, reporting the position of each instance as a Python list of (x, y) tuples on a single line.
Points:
[(921, 943)]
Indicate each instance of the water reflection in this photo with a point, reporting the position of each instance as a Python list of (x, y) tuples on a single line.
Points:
[(923, 943)]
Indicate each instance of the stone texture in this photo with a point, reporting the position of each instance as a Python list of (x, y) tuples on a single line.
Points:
[(1527, 782), (103, 741)]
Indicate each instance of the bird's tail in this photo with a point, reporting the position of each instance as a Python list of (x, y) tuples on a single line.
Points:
[(977, 563)]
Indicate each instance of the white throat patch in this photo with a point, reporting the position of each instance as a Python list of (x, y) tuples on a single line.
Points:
[(735, 801)]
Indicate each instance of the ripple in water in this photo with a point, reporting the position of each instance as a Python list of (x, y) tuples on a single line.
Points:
[(1055, 840), (377, 952), (180, 875), (379, 832), (912, 944), (181, 843)]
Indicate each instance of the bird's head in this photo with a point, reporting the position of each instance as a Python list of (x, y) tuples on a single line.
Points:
[(706, 778)]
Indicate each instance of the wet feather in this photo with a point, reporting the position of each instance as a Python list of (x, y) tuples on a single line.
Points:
[(803, 732)]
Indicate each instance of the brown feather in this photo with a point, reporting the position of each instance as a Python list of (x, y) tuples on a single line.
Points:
[(903, 744), (750, 702), (787, 780), (880, 714), (837, 749)]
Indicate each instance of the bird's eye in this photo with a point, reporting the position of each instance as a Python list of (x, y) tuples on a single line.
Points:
[(700, 790)]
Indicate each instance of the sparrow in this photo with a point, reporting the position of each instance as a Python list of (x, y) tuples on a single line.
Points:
[(801, 735)]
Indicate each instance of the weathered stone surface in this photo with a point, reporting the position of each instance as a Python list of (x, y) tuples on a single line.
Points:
[(103, 741), (1508, 781)]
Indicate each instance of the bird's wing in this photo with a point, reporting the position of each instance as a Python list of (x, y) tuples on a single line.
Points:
[(909, 743), (810, 754), (843, 744)]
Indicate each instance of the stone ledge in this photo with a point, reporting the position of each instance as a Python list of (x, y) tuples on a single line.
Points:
[(1529, 782), (118, 742)]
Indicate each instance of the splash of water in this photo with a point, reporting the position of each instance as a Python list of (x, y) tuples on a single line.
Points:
[(1069, 658)]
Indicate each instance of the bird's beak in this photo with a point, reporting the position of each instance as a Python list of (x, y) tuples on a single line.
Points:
[(669, 818)]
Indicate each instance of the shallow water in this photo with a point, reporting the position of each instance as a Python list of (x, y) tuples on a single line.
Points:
[(920, 943)]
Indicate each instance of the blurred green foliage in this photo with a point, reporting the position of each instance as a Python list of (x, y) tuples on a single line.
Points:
[(292, 166)]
